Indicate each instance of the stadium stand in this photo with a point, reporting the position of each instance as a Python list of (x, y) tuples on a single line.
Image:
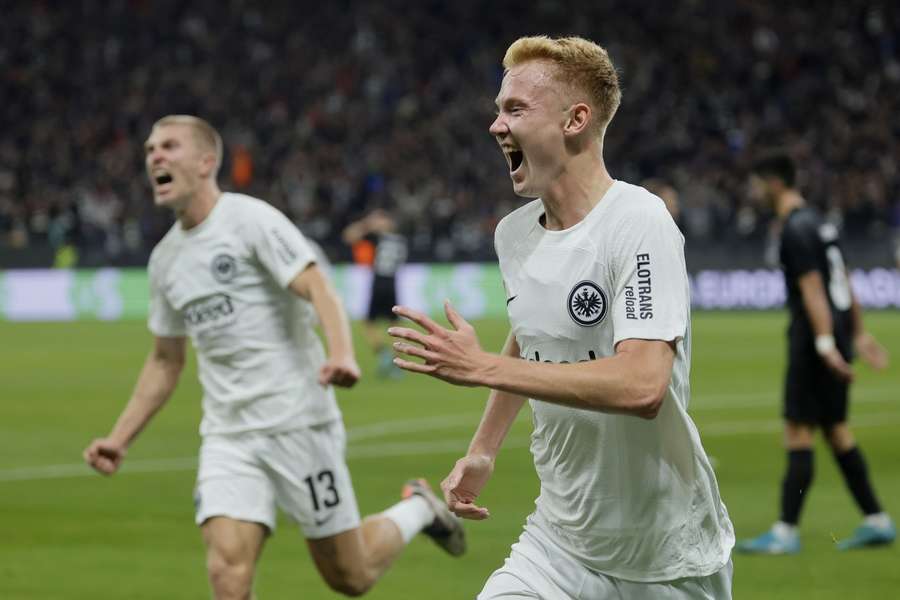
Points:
[(331, 108)]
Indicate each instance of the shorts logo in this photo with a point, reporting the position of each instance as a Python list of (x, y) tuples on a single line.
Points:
[(224, 268), (587, 303)]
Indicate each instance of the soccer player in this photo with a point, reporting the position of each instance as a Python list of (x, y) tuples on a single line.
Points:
[(597, 296), (387, 251), (238, 278), (826, 326)]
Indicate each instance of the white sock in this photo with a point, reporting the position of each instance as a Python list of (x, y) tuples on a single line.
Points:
[(879, 520), (411, 516), (784, 531)]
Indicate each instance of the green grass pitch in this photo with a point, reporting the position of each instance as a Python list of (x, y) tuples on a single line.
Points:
[(68, 534)]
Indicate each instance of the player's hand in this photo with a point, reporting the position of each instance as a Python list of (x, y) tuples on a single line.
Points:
[(835, 362), (339, 371), (453, 355), (464, 483), (104, 455), (871, 351)]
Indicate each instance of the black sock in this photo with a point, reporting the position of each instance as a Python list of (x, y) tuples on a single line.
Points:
[(796, 484), (856, 476)]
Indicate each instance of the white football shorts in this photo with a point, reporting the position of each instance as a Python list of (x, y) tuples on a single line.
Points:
[(302, 471), (558, 576)]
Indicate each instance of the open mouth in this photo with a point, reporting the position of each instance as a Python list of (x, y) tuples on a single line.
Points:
[(515, 160), (162, 178)]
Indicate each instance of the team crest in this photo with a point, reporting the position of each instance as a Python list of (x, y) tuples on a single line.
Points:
[(587, 303), (224, 268)]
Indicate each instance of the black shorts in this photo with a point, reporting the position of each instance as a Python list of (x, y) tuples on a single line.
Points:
[(812, 394), (384, 298)]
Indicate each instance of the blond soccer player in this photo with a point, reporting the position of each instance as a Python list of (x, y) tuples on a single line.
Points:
[(242, 282), (597, 296)]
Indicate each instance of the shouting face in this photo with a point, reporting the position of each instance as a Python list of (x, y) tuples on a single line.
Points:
[(531, 116), (176, 164)]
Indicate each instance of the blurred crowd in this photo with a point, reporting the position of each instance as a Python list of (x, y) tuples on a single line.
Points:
[(331, 109)]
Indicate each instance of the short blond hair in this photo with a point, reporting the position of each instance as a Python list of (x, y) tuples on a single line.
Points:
[(204, 133), (581, 65)]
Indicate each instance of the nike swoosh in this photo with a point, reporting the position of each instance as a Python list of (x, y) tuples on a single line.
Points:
[(508, 300), (320, 522)]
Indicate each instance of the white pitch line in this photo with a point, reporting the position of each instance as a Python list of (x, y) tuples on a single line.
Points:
[(381, 450)]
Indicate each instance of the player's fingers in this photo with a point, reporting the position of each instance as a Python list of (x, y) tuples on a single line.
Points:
[(409, 334), (325, 375), (471, 511), (415, 367), (104, 465), (90, 452), (456, 319), (417, 351), (420, 319)]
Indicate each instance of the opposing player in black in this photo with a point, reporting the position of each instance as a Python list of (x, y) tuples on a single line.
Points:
[(825, 330), (384, 248)]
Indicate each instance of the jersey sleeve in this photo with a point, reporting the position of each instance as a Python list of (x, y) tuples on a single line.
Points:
[(163, 320), (279, 246), (799, 243), (651, 295)]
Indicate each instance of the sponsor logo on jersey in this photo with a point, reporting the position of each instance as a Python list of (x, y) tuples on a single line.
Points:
[(285, 251), (639, 298), (208, 310), (537, 358), (224, 268), (587, 303)]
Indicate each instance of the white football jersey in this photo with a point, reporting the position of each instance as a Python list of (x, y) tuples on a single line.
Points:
[(632, 498), (224, 283)]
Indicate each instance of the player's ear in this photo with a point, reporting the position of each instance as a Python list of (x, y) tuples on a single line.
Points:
[(578, 119), (208, 164)]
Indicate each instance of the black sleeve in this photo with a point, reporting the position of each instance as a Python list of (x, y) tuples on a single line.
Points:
[(800, 244)]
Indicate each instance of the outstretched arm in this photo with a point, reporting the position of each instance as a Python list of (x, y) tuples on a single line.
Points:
[(341, 368), (470, 474), (154, 387), (633, 381)]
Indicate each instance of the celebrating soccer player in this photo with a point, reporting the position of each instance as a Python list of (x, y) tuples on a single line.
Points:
[(597, 296), (237, 277), (826, 326)]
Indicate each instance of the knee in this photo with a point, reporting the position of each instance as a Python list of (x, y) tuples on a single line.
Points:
[(231, 577), (840, 438), (351, 582)]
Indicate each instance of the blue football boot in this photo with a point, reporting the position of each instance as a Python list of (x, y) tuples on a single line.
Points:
[(869, 535)]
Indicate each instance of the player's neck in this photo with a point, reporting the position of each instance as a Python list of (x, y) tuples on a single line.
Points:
[(199, 206), (788, 200), (578, 189)]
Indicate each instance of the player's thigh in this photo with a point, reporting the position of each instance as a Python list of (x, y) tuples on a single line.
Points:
[(798, 436), (311, 479), (340, 557), (801, 404), (231, 482), (232, 543), (834, 395)]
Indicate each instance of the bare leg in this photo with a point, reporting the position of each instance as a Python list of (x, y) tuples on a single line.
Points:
[(232, 549), (352, 561)]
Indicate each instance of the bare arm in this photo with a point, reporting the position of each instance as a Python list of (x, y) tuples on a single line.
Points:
[(634, 381), (818, 311), (471, 473), (356, 231), (499, 414), (154, 387), (341, 368)]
